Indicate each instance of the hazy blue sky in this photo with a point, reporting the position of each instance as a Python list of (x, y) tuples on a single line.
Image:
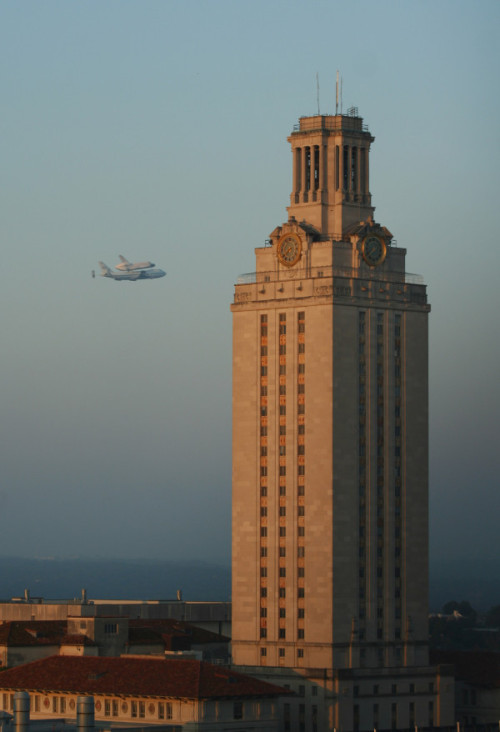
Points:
[(157, 130)]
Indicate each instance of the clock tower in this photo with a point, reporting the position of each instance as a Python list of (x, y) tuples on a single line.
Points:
[(330, 453)]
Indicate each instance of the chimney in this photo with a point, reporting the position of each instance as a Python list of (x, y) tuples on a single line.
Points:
[(21, 711), (84, 713)]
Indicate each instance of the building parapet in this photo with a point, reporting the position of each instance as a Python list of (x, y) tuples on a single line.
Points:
[(316, 272), (349, 121)]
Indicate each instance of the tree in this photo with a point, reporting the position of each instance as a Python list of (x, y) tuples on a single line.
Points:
[(464, 608), (492, 619)]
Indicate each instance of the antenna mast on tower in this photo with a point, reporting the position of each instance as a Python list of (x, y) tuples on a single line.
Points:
[(317, 91), (337, 95)]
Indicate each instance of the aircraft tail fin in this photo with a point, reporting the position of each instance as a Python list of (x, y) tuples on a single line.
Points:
[(123, 260), (105, 270)]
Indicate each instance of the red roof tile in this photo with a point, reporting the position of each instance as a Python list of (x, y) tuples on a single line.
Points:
[(171, 678), (170, 627), (144, 636), (32, 633), (77, 640)]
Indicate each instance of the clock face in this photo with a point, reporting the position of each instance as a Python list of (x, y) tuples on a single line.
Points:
[(289, 249), (373, 250)]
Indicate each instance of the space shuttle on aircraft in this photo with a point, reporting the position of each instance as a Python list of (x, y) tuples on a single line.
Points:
[(126, 266)]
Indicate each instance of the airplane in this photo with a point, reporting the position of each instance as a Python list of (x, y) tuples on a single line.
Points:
[(144, 274), (126, 266)]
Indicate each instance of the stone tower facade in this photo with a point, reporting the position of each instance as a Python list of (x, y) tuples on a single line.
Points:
[(330, 449)]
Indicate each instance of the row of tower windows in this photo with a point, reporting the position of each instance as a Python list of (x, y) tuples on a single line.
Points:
[(380, 465), (397, 452), (263, 468), (395, 709), (281, 530), (282, 612), (362, 459), (380, 469), (282, 592), (301, 510)]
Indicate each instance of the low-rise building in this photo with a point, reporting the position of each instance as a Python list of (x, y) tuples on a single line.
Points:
[(211, 615), (21, 642), (185, 694), (28, 640), (477, 685)]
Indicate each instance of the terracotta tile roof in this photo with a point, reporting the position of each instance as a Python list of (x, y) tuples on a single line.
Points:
[(144, 636), (480, 668), (32, 633), (77, 640), (169, 626), (157, 640), (170, 678)]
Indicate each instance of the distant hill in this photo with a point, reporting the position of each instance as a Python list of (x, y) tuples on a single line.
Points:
[(119, 579), (477, 581)]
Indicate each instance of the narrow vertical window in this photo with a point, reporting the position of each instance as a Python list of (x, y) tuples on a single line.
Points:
[(308, 168), (337, 167), (298, 169), (354, 169), (362, 170), (345, 171)]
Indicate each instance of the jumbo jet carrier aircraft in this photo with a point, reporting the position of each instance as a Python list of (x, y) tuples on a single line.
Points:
[(132, 276)]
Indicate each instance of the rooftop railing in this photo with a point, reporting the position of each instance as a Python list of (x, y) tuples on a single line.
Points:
[(379, 274)]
